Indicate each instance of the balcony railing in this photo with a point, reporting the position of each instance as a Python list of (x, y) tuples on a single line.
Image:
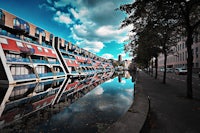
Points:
[(54, 62), (83, 65), (69, 57), (60, 73), (39, 61), (10, 59), (62, 50), (45, 74), (5, 33), (46, 45), (25, 76), (73, 72)]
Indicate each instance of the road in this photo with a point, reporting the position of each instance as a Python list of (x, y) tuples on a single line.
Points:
[(180, 80)]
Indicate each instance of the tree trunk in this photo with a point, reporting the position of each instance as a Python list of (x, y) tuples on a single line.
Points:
[(149, 70), (152, 68), (165, 66), (156, 67), (189, 43)]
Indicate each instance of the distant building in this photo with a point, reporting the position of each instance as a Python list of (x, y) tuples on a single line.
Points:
[(120, 58), (127, 64), (179, 59)]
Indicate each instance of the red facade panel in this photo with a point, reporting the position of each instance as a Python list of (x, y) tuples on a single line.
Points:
[(43, 102), (71, 85), (11, 45)]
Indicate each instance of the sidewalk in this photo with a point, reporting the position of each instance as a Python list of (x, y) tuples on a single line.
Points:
[(170, 111)]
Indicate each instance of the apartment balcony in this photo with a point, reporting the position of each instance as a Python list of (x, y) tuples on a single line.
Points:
[(24, 77), (69, 57), (46, 45), (54, 62), (21, 60), (60, 73), (85, 65), (43, 75), (63, 51), (40, 61), (74, 72)]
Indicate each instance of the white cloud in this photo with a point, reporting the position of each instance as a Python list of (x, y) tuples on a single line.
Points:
[(110, 80), (61, 17), (123, 54), (123, 81), (92, 46), (81, 29), (98, 91), (61, 3), (74, 13), (98, 21), (49, 1), (106, 31), (107, 56), (47, 7)]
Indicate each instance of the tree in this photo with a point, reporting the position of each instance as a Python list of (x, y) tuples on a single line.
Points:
[(189, 13), (148, 17), (183, 16)]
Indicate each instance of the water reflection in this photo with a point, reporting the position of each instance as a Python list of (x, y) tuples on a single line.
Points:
[(72, 108)]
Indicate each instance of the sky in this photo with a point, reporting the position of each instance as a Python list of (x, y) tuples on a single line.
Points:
[(91, 24)]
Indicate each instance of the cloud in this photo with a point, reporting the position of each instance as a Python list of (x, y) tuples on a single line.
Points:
[(61, 3), (106, 31), (110, 80), (98, 90), (75, 14), (92, 22), (107, 56), (92, 46), (49, 8), (49, 1), (61, 17), (125, 56)]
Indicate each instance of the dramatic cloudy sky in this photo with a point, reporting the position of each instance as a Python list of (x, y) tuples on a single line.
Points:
[(90, 24)]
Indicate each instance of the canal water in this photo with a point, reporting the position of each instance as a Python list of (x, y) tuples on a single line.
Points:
[(92, 110)]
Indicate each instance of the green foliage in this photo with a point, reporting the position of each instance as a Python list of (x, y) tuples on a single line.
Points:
[(158, 24)]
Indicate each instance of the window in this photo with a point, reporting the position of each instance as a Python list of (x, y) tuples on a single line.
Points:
[(46, 50), (2, 17), (40, 49), (19, 44), (3, 40), (16, 22), (29, 46), (51, 38), (37, 32), (1, 14), (43, 36), (26, 27), (197, 52), (53, 52)]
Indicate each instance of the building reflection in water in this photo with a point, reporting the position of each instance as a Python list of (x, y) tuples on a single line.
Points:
[(40, 101)]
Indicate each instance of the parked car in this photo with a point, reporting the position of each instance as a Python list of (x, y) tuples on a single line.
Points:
[(169, 70), (180, 71), (162, 69)]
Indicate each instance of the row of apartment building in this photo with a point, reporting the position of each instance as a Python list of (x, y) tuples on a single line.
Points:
[(37, 68)]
